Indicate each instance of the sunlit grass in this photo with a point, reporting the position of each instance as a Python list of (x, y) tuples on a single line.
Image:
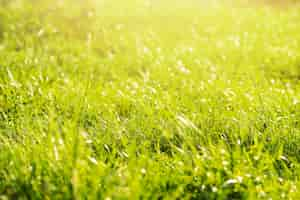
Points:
[(149, 100)]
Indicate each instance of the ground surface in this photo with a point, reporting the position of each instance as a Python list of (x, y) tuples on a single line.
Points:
[(149, 100)]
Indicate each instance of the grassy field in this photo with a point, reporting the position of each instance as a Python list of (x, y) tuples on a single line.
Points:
[(149, 100)]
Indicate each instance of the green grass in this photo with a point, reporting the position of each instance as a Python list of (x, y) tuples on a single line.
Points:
[(130, 100)]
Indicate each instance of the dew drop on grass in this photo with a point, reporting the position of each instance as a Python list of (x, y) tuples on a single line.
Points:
[(256, 158), (280, 179), (231, 181), (60, 141), (40, 33), (93, 160), (143, 171), (284, 158), (223, 151), (214, 189), (240, 179), (182, 68), (84, 134), (203, 187), (56, 155), (248, 175), (262, 193), (225, 163), (89, 141)]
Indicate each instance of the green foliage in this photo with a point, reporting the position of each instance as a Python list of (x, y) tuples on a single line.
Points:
[(149, 100)]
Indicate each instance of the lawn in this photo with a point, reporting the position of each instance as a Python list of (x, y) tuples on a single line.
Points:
[(149, 99)]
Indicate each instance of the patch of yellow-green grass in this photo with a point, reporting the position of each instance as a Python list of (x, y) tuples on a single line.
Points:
[(149, 100)]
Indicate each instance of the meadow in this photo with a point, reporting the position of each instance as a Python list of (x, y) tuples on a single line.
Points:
[(149, 99)]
